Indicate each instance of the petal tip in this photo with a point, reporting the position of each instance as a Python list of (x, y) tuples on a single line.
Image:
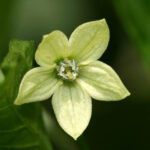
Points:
[(74, 136), (45, 36), (127, 94), (17, 102), (124, 95), (103, 21), (53, 32)]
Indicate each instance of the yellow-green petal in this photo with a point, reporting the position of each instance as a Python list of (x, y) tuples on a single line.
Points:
[(72, 107), (38, 84), (89, 41), (53, 46), (102, 82)]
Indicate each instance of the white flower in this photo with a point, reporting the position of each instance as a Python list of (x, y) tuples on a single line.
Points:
[(69, 71)]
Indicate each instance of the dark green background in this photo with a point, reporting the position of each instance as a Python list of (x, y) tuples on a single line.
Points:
[(120, 125)]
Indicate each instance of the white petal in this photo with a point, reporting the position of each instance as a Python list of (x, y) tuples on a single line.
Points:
[(89, 41), (72, 107), (38, 84), (53, 46), (102, 82)]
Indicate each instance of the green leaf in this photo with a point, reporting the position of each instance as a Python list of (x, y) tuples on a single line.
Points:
[(134, 15), (20, 126)]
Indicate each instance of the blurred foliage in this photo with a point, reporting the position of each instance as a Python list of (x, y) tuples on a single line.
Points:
[(5, 26), (20, 127), (135, 18), (2, 77), (121, 125)]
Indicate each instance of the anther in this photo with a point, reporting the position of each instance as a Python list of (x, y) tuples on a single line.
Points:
[(68, 69)]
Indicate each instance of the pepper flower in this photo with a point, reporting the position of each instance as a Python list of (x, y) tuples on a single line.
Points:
[(71, 73)]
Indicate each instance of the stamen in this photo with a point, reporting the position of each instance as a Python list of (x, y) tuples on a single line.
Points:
[(68, 69)]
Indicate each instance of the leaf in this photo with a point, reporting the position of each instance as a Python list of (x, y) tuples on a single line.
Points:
[(20, 126), (134, 15)]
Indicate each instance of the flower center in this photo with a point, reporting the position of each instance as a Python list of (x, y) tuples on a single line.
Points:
[(68, 69)]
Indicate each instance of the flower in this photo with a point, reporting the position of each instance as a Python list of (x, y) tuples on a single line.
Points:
[(69, 71)]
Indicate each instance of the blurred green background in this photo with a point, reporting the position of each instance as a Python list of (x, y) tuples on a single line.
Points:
[(114, 125)]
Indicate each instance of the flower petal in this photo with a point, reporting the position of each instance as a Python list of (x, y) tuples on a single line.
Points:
[(101, 82), (53, 46), (89, 41), (38, 84), (72, 107)]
